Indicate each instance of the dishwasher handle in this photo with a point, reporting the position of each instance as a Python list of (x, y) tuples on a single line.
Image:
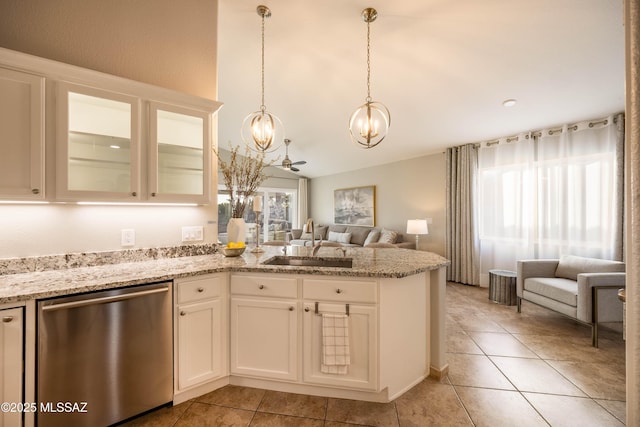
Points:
[(103, 300)]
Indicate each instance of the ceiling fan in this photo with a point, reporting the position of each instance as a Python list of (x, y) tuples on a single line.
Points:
[(287, 163)]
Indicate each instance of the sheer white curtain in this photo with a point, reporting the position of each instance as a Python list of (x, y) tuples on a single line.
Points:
[(553, 193), (303, 208), (506, 199)]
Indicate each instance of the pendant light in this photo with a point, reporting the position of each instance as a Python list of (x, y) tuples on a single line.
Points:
[(261, 130), (370, 123)]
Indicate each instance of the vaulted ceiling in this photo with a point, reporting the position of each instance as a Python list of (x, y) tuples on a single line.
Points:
[(442, 67)]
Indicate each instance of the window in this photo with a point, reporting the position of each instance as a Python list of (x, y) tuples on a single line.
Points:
[(279, 209), (551, 195)]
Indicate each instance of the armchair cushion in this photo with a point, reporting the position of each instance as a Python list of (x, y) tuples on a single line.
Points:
[(558, 289), (570, 266)]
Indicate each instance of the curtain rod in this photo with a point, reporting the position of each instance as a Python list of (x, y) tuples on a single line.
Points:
[(538, 133)]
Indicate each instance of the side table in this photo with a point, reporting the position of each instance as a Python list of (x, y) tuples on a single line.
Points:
[(502, 287)]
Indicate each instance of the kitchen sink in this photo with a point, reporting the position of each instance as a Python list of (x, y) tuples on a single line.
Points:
[(310, 261)]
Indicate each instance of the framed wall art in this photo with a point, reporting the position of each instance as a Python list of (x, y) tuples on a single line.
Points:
[(355, 206)]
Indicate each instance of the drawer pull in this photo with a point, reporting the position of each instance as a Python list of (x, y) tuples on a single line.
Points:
[(338, 291), (201, 289), (291, 308), (306, 309), (182, 313), (261, 287), (134, 194), (35, 191), (7, 319)]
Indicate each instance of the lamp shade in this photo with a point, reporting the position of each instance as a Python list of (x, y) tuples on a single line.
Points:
[(417, 226)]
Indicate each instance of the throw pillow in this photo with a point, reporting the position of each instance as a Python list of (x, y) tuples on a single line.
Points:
[(388, 236), (319, 230), (339, 237), (358, 234), (373, 237)]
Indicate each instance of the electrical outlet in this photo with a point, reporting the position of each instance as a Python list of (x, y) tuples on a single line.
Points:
[(128, 237), (192, 234)]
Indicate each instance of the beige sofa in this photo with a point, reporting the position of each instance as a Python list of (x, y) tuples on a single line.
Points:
[(585, 289), (351, 236)]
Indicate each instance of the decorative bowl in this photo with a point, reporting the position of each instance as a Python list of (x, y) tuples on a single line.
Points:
[(229, 252)]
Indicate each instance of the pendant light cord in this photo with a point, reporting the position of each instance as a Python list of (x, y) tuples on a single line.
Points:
[(368, 62), (262, 106)]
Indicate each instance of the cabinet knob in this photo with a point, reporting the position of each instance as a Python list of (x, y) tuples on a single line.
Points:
[(338, 291), (35, 191), (7, 319), (261, 287), (134, 194), (201, 289), (153, 194), (182, 313), (306, 309), (291, 308)]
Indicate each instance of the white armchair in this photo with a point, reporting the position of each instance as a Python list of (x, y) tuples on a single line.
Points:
[(585, 289)]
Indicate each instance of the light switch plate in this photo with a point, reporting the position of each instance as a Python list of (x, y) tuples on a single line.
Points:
[(128, 237), (192, 234)]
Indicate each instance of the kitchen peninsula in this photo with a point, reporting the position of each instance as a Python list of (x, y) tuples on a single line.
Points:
[(268, 318)]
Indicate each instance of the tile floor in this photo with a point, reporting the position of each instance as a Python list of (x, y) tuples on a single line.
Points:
[(506, 369)]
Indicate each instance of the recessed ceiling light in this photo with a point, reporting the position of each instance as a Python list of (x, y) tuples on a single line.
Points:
[(509, 102), (115, 147)]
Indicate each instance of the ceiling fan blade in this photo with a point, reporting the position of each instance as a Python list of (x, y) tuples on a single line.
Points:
[(300, 162), (295, 169)]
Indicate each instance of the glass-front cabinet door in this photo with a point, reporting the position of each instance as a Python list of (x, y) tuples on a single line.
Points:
[(98, 145), (179, 154), (21, 135)]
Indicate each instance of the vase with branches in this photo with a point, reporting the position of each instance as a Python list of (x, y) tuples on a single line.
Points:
[(242, 175)]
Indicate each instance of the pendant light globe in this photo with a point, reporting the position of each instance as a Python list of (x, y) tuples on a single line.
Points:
[(261, 130), (369, 124)]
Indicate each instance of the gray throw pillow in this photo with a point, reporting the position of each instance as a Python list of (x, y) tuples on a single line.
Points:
[(373, 237), (358, 234)]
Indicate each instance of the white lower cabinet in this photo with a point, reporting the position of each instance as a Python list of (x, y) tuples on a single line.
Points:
[(338, 297), (11, 361), (363, 336), (264, 326), (200, 331)]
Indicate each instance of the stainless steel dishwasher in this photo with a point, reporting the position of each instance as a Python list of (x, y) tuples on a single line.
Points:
[(104, 356)]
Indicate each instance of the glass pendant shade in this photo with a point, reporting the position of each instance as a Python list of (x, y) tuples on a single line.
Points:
[(262, 130), (369, 124)]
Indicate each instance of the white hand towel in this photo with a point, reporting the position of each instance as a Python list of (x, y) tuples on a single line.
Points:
[(335, 344)]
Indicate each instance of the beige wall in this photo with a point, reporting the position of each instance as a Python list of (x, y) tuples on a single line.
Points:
[(405, 190), (166, 43)]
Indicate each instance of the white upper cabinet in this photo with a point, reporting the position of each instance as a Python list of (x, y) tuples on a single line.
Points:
[(179, 154), (98, 144), (21, 135), (114, 140)]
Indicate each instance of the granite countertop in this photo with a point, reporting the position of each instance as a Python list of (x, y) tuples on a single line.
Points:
[(374, 263)]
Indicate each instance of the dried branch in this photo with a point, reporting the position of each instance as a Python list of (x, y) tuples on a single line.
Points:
[(242, 175)]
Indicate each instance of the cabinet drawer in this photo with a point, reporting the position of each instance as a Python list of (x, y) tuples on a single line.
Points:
[(340, 290), (200, 288), (265, 286)]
